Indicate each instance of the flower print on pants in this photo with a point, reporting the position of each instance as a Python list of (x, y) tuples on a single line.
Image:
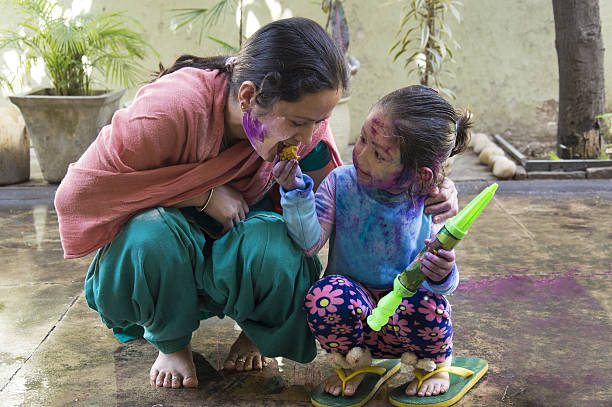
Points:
[(324, 300), (433, 311)]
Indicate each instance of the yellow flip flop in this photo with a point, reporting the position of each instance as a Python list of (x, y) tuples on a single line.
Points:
[(465, 373), (375, 375)]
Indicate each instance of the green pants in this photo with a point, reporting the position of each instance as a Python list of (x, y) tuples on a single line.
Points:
[(161, 274)]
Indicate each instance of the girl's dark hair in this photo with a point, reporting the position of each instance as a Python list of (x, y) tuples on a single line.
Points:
[(429, 129), (285, 59)]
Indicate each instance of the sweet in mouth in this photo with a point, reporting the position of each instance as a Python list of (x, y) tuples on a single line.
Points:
[(288, 152)]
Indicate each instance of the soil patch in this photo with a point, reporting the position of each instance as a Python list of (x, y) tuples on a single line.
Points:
[(535, 150)]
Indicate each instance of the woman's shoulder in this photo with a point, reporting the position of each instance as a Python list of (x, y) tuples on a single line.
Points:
[(185, 88)]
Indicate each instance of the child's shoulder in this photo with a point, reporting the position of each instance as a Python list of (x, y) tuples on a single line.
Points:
[(345, 174), (347, 170)]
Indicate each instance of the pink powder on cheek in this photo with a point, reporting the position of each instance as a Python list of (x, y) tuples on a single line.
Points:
[(253, 128)]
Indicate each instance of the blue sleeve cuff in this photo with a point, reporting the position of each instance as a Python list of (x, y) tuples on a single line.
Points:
[(446, 287), (299, 193), (300, 214)]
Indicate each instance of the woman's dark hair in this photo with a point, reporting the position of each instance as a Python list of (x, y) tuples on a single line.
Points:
[(285, 59), (429, 129)]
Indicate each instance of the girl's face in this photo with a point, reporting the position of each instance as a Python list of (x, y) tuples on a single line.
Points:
[(288, 123), (376, 155)]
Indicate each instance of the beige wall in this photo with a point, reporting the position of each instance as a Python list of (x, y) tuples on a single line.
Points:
[(506, 69)]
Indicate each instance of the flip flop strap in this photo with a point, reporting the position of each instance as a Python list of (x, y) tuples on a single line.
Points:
[(460, 371), (379, 370)]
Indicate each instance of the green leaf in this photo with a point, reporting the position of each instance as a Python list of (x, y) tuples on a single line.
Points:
[(340, 30), (229, 48), (424, 36)]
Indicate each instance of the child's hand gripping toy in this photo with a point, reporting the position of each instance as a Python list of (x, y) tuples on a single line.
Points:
[(407, 283)]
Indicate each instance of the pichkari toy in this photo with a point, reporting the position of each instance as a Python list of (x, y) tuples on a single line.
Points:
[(407, 283)]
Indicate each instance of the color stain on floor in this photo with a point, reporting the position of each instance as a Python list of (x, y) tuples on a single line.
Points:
[(535, 300)]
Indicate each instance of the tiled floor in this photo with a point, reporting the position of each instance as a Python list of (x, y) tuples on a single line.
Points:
[(535, 300)]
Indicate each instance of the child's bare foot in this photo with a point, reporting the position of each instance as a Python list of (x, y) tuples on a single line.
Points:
[(333, 385), (174, 370), (436, 384), (243, 355)]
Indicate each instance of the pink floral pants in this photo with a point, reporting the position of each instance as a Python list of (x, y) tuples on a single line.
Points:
[(337, 308)]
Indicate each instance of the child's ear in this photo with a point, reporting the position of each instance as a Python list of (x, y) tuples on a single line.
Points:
[(425, 175)]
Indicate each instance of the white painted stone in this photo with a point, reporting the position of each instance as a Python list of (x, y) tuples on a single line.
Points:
[(503, 167), (488, 152), (479, 141)]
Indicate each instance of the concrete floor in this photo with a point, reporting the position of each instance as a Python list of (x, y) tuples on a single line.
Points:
[(534, 300)]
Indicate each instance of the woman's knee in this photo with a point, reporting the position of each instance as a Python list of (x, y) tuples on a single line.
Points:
[(126, 276)]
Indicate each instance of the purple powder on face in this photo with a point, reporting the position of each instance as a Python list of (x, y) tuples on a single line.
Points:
[(254, 130)]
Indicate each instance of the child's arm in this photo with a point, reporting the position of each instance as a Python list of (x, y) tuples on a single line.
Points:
[(441, 269), (309, 225)]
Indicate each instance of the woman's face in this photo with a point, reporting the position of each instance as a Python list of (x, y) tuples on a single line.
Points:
[(376, 155), (288, 123)]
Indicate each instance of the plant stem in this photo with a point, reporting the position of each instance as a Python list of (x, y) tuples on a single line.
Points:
[(431, 15), (240, 39)]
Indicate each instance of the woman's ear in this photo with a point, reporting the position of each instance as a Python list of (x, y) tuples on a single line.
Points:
[(246, 95)]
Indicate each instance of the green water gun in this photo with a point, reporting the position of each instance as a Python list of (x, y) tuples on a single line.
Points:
[(407, 283)]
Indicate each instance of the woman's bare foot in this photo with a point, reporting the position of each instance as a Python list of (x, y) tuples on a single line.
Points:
[(174, 370), (333, 385), (243, 355), (436, 384)]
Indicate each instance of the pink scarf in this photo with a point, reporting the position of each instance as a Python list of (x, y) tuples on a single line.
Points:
[(162, 150)]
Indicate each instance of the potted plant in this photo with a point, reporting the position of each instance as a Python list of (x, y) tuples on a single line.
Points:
[(426, 41), (338, 27), (63, 120)]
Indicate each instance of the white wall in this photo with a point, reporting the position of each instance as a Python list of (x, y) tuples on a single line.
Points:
[(506, 69)]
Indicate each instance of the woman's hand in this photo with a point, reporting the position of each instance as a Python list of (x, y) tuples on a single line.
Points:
[(437, 266), (227, 206), (442, 202), (288, 174)]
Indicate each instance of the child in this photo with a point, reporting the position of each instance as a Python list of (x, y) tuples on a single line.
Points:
[(372, 212)]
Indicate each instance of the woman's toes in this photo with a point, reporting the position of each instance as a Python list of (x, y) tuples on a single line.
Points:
[(349, 390), (230, 362), (160, 379), (168, 380), (190, 381), (248, 365), (257, 362), (177, 381), (239, 364), (153, 377)]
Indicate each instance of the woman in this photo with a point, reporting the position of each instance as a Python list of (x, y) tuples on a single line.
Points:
[(177, 194)]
